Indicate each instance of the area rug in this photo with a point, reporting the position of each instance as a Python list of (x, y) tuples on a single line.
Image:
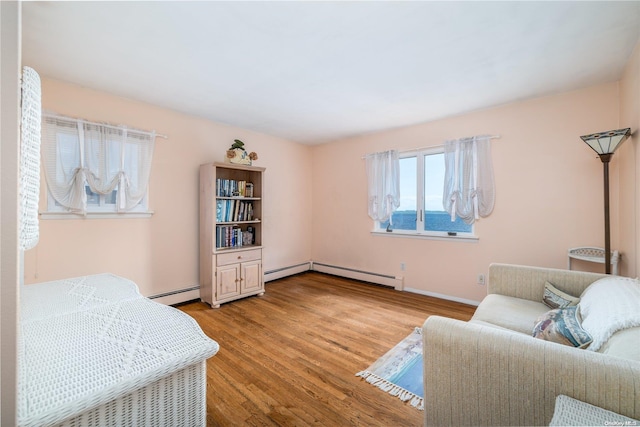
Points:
[(399, 371)]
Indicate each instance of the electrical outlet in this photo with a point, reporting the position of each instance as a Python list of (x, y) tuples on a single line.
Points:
[(481, 279), (402, 266)]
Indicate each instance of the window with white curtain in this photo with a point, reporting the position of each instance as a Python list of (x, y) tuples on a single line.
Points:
[(383, 186), (92, 168), (443, 190), (469, 190), (421, 211)]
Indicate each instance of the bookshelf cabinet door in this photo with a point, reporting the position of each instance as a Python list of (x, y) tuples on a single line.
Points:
[(251, 277), (228, 281)]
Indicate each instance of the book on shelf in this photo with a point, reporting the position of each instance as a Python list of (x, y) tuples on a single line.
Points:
[(230, 210), (241, 211), (236, 210), (219, 207), (232, 236), (233, 188)]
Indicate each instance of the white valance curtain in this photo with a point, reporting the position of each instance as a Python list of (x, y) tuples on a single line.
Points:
[(77, 153), (383, 176), (469, 188)]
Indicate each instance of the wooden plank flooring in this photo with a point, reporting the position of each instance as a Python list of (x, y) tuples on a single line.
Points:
[(289, 358)]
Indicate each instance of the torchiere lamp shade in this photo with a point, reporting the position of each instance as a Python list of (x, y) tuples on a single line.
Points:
[(606, 142)]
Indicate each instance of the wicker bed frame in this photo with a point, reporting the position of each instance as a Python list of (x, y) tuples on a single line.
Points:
[(94, 352), (178, 399)]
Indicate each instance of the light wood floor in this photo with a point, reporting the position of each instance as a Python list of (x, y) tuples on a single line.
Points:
[(289, 358)]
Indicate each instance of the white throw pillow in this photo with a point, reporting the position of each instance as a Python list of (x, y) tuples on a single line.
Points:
[(624, 344), (608, 305)]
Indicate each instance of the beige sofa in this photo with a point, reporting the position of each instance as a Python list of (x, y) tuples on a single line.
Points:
[(491, 371)]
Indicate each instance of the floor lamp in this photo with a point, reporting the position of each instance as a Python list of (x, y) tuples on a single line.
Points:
[(605, 143)]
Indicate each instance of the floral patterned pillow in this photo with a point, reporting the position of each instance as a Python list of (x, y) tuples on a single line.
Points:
[(562, 326)]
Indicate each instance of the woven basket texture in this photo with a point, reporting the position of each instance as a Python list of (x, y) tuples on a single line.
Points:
[(572, 412), (175, 400), (89, 341), (29, 189)]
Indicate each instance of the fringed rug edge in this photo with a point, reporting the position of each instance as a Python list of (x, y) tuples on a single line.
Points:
[(394, 390)]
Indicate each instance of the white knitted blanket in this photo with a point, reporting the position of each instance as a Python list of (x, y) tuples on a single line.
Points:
[(609, 305), (88, 340)]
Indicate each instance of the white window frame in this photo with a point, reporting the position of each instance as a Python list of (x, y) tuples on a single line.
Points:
[(102, 210), (420, 232)]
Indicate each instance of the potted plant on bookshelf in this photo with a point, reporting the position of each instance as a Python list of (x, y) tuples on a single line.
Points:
[(238, 155)]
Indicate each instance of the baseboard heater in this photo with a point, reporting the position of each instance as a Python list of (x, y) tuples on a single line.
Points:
[(367, 276), (177, 296), (279, 273), (193, 293)]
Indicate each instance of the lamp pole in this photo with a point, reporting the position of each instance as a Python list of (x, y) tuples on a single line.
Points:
[(605, 143), (606, 158)]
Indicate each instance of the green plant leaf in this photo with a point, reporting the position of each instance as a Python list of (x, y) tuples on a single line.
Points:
[(238, 144)]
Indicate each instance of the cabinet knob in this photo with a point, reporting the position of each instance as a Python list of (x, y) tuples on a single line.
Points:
[(239, 256)]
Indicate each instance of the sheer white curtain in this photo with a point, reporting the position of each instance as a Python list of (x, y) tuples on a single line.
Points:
[(469, 188), (106, 158), (383, 176)]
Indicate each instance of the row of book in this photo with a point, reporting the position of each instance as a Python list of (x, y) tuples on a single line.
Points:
[(231, 210), (233, 188), (229, 236)]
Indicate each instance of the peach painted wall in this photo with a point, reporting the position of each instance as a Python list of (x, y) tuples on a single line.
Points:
[(629, 159), (548, 183), (161, 253)]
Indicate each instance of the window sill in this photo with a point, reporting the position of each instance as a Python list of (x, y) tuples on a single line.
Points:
[(429, 236), (96, 215)]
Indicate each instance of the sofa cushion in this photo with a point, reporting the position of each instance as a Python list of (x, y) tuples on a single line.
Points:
[(555, 298), (623, 344), (512, 313), (562, 326)]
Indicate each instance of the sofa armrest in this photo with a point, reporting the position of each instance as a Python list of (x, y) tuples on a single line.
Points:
[(480, 375), (528, 282)]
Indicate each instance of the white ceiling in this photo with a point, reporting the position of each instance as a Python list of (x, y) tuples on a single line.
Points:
[(317, 71)]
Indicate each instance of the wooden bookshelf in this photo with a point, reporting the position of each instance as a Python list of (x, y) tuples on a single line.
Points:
[(230, 232)]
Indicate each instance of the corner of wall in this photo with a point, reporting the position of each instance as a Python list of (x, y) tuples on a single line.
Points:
[(629, 116)]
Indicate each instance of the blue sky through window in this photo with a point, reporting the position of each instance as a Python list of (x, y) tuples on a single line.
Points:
[(436, 219)]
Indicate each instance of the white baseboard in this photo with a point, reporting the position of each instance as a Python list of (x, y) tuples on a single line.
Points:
[(442, 296), (381, 279), (279, 273), (193, 293), (178, 296), (397, 282)]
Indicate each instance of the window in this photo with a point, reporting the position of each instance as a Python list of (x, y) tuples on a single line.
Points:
[(421, 211), (93, 168)]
